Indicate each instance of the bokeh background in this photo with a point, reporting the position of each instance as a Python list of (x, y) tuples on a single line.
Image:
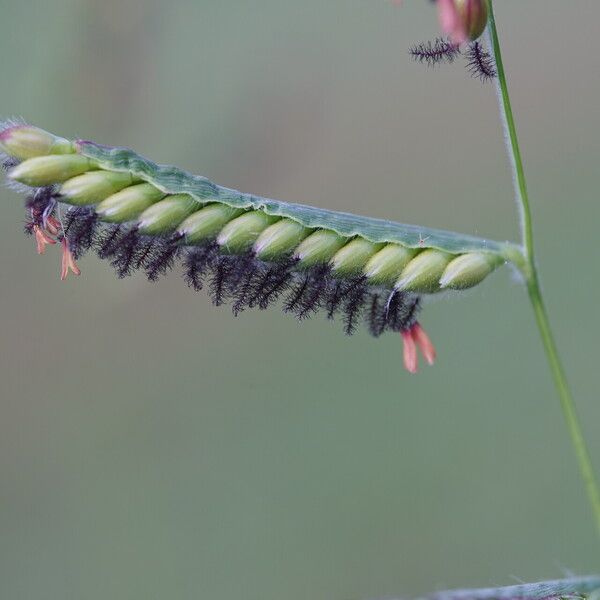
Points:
[(152, 446)]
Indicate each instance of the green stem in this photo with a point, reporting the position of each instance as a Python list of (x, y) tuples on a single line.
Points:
[(533, 285)]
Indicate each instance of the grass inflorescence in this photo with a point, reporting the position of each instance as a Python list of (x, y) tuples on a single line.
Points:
[(247, 251)]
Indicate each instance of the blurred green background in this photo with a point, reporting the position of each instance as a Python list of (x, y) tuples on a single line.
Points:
[(152, 446)]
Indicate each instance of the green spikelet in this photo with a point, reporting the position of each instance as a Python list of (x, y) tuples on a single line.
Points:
[(48, 170), (352, 258), (422, 274), (385, 266), (239, 235), (207, 222), (24, 141), (318, 248), (279, 239), (94, 186), (468, 270), (128, 203), (166, 215)]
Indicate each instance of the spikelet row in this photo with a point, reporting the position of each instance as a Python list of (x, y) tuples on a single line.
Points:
[(120, 197), (250, 257)]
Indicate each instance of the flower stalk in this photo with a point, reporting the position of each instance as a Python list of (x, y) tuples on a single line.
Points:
[(528, 268)]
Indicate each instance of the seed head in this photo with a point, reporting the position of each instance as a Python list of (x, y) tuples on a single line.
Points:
[(251, 251)]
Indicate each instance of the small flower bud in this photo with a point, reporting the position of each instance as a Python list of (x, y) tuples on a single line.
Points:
[(279, 239), (353, 257), (48, 170), (95, 186), (468, 270), (24, 141), (167, 214), (318, 248), (128, 203), (463, 20), (385, 266), (422, 274), (239, 235), (207, 222)]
